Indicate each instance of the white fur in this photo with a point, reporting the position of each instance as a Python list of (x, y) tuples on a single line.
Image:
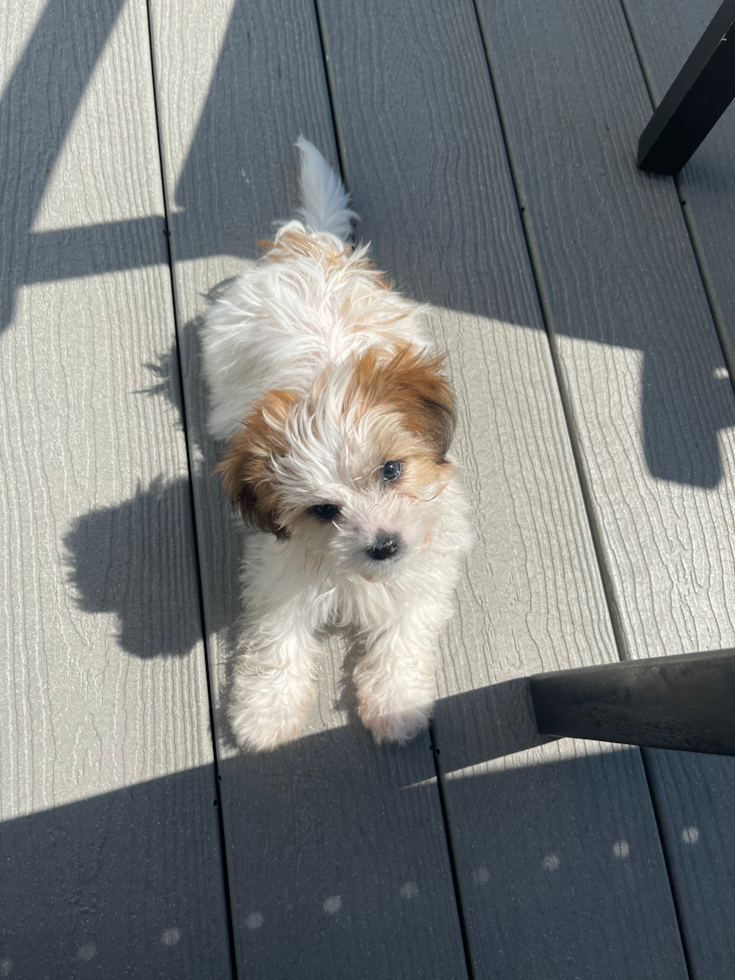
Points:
[(325, 201), (280, 326)]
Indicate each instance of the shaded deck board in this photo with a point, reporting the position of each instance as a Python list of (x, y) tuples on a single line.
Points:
[(337, 857), (534, 834), (109, 840), (643, 371)]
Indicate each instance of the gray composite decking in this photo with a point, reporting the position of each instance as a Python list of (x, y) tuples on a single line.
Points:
[(589, 315)]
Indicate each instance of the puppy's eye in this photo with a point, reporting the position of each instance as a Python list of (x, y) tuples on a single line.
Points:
[(391, 471), (326, 511)]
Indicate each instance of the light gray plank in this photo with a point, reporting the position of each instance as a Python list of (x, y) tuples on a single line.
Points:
[(644, 374), (336, 869), (109, 840), (534, 829)]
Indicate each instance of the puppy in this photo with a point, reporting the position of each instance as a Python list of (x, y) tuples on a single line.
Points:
[(338, 420)]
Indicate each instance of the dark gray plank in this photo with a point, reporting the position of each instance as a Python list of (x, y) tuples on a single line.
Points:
[(123, 882), (556, 849), (652, 407), (109, 840), (336, 869)]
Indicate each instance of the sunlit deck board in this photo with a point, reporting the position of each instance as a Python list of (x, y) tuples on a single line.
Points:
[(109, 840)]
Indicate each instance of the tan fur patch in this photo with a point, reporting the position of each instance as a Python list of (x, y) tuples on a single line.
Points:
[(410, 384), (300, 244), (246, 469), (296, 243), (421, 472)]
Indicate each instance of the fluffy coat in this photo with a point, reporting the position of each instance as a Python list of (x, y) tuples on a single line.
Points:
[(337, 419)]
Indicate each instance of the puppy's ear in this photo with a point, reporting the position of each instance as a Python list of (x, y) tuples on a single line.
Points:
[(411, 383), (247, 468)]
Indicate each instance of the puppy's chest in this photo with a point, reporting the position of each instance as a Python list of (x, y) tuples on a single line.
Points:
[(356, 603)]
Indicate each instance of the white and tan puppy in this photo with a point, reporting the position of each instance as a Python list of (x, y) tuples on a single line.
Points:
[(338, 421)]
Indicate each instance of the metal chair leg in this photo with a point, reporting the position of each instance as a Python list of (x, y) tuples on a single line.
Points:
[(699, 95), (681, 702)]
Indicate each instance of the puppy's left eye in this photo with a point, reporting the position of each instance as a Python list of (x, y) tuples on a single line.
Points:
[(391, 471)]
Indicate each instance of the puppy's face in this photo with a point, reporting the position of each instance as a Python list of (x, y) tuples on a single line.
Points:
[(356, 468)]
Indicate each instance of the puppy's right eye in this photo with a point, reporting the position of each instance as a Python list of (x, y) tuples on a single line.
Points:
[(326, 511)]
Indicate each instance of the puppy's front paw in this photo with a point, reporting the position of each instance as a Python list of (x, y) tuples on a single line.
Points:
[(395, 726), (264, 715)]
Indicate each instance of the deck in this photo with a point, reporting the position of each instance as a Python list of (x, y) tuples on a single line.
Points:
[(589, 315)]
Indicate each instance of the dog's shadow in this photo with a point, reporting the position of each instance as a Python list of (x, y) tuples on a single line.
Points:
[(130, 559), (136, 559)]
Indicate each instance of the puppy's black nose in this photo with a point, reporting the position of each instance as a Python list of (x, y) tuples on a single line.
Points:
[(386, 545)]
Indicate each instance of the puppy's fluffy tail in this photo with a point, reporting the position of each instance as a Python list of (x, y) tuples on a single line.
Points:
[(325, 203)]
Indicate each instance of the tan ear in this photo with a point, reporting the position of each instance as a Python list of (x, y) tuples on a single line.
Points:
[(411, 383), (247, 468)]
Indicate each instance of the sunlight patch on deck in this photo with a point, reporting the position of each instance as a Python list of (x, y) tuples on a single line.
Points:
[(96, 177), (333, 904), (690, 835)]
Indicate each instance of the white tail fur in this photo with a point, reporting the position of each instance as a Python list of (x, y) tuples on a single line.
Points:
[(324, 199)]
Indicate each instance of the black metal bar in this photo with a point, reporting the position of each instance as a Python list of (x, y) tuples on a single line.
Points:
[(699, 95), (682, 702)]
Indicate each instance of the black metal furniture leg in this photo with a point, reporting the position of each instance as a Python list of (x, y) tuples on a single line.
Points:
[(699, 95), (681, 702)]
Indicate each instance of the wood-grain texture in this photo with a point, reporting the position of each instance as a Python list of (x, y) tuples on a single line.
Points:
[(109, 841), (558, 859), (643, 371), (337, 867)]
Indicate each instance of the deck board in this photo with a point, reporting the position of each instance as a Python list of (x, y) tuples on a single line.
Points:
[(109, 840), (336, 866), (644, 374), (533, 830)]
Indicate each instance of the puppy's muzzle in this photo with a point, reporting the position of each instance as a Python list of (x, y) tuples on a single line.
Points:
[(386, 545)]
